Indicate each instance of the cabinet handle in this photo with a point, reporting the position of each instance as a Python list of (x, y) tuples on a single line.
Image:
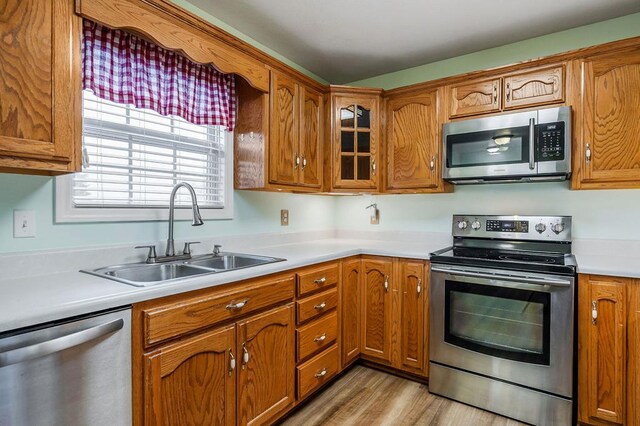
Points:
[(322, 373), (320, 306), (297, 161), (419, 289), (238, 305), (508, 92), (432, 163), (232, 362), (386, 283), (304, 162), (245, 355), (594, 312), (588, 153), (495, 93), (373, 167), (320, 280), (321, 338)]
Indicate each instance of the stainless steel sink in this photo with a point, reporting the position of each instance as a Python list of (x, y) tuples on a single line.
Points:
[(143, 274), (231, 261)]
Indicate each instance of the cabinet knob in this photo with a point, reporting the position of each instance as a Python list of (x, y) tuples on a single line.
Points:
[(320, 307), (321, 338), (594, 312), (386, 283), (304, 162), (508, 92), (320, 280), (587, 154), (373, 167), (245, 355), (297, 161), (419, 289), (237, 305), (232, 362), (321, 373), (432, 163)]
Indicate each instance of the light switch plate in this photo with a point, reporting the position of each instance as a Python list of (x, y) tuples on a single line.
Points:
[(24, 224), (284, 217)]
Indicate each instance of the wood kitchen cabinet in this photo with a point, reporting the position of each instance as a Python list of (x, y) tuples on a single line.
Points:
[(534, 87), (377, 275), (476, 97), (266, 382), (413, 145), (606, 148), (351, 310), (354, 142), (412, 332), (608, 350), (40, 105), (192, 381)]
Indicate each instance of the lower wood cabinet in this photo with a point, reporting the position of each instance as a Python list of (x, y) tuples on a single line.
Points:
[(193, 381), (412, 330), (351, 310), (376, 308), (266, 366), (608, 350)]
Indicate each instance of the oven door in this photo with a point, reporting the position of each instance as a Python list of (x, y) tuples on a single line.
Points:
[(492, 147), (504, 324)]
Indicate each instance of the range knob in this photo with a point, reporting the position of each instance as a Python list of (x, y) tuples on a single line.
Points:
[(475, 225), (541, 227), (463, 224), (558, 228)]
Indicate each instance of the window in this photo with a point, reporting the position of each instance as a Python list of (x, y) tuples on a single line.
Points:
[(133, 157)]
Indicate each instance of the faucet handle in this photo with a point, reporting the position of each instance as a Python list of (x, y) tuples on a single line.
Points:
[(216, 249), (151, 257), (187, 247)]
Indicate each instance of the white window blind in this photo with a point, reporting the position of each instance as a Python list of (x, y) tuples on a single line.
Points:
[(133, 158)]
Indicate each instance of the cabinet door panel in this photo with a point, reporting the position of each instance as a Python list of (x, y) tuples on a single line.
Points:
[(192, 382), (610, 125), (478, 97), (39, 85), (351, 315), (413, 293), (532, 88), (376, 299), (412, 142), (311, 139), (284, 132), (266, 351)]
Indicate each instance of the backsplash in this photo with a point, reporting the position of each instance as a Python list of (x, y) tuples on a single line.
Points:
[(607, 214)]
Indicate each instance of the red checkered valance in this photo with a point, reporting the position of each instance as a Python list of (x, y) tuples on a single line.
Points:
[(124, 68)]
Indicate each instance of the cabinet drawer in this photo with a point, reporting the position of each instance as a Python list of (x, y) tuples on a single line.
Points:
[(184, 316), (317, 279), (313, 373), (314, 306), (316, 336)]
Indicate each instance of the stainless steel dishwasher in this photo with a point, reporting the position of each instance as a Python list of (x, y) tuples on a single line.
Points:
[(70, 372)]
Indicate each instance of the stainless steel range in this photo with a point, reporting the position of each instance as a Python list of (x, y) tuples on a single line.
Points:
[(502, 317)]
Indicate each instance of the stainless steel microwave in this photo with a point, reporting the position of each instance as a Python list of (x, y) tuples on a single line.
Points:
[(517, 147)]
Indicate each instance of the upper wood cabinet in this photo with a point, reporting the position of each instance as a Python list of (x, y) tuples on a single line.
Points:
[(478, 97), (351, 310), (354, 143), (522, 89), (278, 137), (266, 350), (607, 152), (412, 313), (413, 146), (377, 275), (192, 381), (608, 358), (40, 105)]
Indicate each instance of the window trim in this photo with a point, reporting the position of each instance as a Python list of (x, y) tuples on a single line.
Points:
[(66, 212)]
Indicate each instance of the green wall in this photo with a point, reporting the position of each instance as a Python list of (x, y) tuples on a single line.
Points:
[(575, 38)]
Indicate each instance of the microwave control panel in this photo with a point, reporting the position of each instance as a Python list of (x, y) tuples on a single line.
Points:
[(550, 141)]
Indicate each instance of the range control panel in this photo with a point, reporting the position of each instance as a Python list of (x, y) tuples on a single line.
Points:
[(550, 141), (541, 228)]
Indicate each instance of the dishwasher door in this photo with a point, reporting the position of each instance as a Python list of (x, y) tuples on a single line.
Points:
[(75, 372)]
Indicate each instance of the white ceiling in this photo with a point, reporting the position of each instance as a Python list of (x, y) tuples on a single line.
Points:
[(348, 40)]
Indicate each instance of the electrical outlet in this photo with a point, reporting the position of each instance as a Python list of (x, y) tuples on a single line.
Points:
[(284, 217), (24, 224)]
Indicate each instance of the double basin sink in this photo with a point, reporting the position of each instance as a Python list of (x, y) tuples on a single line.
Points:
[(143, 274)]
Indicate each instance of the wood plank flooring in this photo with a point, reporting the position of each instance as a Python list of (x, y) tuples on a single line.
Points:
[(369, 397)]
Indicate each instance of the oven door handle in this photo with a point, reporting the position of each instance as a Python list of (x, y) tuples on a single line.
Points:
[(505, 277)]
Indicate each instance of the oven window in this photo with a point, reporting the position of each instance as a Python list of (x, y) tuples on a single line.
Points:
[(505, 146), (499, 321)]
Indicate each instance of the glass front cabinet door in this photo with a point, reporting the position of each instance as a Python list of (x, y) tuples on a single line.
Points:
[(355, 144)]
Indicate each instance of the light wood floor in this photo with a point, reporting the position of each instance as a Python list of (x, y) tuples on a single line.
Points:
[(370, 397)]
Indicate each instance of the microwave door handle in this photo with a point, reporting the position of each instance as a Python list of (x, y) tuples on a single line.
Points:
[(532, 143)]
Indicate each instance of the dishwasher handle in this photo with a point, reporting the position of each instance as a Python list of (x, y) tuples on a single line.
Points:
[(48, 347)]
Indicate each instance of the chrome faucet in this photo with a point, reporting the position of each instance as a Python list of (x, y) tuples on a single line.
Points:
[(197, 219)]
